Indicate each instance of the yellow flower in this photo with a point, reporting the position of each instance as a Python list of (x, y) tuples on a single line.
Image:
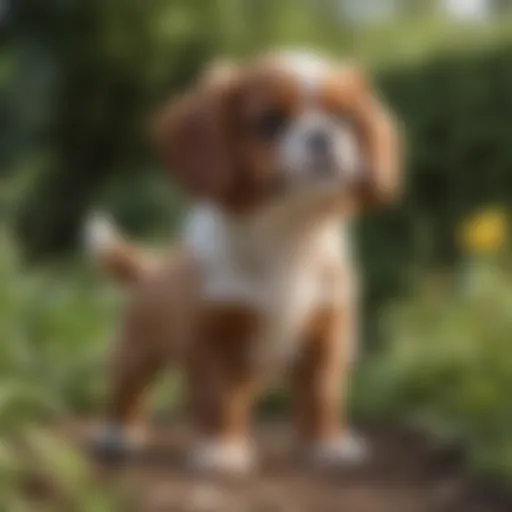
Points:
[(484, 232)]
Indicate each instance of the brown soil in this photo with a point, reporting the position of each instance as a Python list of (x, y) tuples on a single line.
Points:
[(404, 474)]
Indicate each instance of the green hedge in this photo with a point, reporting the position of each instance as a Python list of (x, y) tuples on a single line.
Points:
[(457, 110)]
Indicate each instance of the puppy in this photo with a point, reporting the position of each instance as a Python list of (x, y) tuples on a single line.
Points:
[(277, 157)]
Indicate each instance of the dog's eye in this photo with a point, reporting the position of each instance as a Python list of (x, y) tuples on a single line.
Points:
[(270, 124)]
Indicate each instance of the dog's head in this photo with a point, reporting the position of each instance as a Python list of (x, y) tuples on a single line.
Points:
[(286, 122)]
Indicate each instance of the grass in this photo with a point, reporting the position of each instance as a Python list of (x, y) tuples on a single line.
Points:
[(446, 365), (53, 326)]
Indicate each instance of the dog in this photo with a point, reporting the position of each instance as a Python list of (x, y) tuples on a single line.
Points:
[(277, 156)]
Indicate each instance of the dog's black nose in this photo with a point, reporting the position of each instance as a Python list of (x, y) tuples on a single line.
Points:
[(319, 143)]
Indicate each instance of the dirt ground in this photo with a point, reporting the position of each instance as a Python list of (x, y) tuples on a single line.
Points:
[(404, 474)]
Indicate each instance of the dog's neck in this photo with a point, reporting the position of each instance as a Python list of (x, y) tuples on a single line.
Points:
[(302, 213), (242, 255)]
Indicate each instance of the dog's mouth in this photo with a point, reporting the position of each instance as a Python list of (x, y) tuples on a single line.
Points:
[(324, 168)]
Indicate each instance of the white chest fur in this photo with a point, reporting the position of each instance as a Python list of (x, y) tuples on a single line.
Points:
[(277, 269)]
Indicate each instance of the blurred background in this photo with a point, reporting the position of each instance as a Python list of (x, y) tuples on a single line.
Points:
[(79, 81)]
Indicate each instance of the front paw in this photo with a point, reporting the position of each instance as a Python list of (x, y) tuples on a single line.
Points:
[(222, 457), (343, 451)]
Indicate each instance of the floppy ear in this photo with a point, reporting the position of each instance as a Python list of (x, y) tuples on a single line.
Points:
[(192, 134), (381, 142)]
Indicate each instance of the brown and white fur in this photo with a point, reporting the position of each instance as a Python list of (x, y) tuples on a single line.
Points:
[(277, 157)]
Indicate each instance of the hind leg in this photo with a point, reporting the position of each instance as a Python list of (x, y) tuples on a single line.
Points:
[(132, 370)]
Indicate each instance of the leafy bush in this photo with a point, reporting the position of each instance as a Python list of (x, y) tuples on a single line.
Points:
[(53, 328), (54, 324), (447, 364)]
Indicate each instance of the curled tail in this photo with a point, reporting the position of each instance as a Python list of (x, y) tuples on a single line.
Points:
[(118, 258)]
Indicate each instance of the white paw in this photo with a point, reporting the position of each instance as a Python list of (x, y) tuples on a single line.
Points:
[(115, 441), (346, 450), (233, 457)]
